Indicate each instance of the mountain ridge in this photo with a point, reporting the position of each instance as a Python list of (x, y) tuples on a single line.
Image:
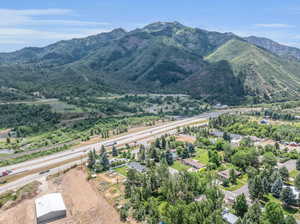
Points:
[(162, 57)]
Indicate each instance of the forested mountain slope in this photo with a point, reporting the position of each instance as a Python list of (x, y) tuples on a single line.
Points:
[(159, 58)]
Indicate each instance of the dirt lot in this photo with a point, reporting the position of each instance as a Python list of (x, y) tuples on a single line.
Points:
[(186, 138), (85, 204)]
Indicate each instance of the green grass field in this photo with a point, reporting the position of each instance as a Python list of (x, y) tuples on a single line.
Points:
[(294, 173), (179, 166), (201, 156), (122, 170)]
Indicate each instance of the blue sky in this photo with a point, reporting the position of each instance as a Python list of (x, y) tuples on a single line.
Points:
[(41, 22)]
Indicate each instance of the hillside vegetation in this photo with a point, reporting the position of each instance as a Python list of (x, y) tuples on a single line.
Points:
[(262, 73), (159, 58)]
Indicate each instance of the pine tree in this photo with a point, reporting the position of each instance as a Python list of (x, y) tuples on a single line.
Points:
[(191, 148), (284, 173), (274, 213), (290, 220), (277, 187), (266, 185), (255, 188), (287, 196), (226, 137), (232, 176), (114, 151), (163, 142), (91, 159), (157, 143), (104, 162), (123, 214), (240, 205), (297, 181), (253, 215), (102, 150), (169, 158)]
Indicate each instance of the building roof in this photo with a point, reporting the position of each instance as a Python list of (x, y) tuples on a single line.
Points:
[(193, 163), (49, 203), (226, 173), (229, 217), (137, 166)]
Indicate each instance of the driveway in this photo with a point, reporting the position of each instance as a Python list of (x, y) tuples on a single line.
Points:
[(290, 165)]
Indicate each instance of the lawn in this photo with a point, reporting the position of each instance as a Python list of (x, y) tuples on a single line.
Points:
[(179, 166), (122, 170), (201, 156), (294, 173), (241, 181)]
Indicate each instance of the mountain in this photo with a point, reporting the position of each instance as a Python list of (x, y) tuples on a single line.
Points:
[(159, 58), (263, 74), (275, 48)]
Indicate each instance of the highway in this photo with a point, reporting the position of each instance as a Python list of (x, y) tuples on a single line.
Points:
[(81, 152)]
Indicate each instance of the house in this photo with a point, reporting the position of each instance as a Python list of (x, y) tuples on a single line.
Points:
[(225, 174), (193, 163), (229, 217), (137, 166)]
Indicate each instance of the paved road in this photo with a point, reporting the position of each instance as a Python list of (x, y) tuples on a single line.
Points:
[(26, 180), (80, 152)]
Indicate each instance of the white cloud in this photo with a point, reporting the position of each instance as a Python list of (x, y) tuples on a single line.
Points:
[(35, 12), (40, 27), (31, 34), (274, 25), (33, 17)]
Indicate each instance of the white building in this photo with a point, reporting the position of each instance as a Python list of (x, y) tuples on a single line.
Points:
[(50, 207)]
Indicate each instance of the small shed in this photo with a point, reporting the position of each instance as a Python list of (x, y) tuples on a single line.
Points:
[(50, 207)]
